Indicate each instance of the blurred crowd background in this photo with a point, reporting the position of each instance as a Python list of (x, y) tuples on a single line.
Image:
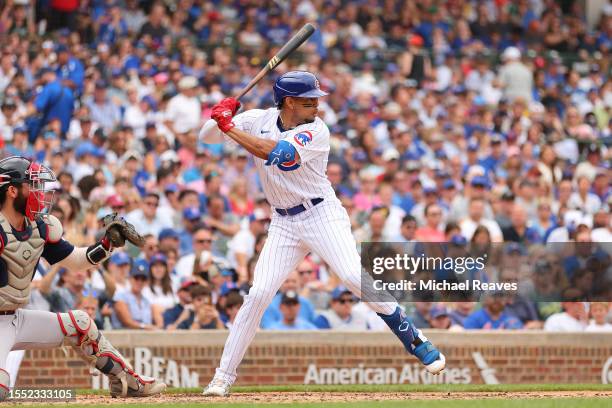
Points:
[(457, 120)]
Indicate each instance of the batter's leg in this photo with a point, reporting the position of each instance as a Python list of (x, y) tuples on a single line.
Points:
[(7, 338), (39, 329), (327, 231), (280, 255)]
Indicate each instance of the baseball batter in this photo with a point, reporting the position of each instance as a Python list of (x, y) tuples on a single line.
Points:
[(27, 232), (291, 147)]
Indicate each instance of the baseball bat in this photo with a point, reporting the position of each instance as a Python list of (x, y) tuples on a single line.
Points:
[(293, 44)]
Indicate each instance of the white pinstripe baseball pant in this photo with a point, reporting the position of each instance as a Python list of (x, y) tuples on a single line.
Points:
[(325, 230)]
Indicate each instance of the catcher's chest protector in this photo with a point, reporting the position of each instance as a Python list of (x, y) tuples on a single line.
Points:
[(19, 260)]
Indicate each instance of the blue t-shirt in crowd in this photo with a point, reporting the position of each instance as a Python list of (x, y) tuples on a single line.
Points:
[(28, 152), (140, 309), (74, 71), (109, 32), (426, 28), (480, 319), (273, 314), (276, 35), (490, 163), (55, 101), (172, 314), (185, 242), (573, 263)]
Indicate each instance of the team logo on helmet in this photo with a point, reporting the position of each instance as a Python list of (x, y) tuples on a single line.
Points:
[(317, 85), (303, 138)]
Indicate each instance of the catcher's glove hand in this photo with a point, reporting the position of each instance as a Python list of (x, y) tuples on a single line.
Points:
[(119, 230)]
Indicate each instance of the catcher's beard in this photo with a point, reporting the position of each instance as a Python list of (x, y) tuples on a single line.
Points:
[(20, 202)]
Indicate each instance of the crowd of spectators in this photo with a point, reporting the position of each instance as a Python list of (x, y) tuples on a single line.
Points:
[(457, 120)]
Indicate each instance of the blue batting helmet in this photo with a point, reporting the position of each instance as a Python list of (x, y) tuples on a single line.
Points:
[(300, 84)]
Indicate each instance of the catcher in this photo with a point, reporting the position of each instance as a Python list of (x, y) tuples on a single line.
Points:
[(27, 232)]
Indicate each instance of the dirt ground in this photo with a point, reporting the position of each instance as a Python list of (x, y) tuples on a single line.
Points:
[(290, 397)]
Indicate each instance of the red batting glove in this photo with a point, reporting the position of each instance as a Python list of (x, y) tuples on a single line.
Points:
[(231, 103), (223, 112), (223, 117)]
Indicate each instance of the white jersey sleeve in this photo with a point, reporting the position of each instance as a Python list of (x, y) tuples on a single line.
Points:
[(211, 134), (311, 140)]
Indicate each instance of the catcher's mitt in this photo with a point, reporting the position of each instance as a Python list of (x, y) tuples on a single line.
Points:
[(119, 230)]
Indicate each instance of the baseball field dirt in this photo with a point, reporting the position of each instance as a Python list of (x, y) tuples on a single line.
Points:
[(392, 396)]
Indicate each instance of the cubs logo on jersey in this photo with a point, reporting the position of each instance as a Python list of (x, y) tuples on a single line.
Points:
[(303, 138)]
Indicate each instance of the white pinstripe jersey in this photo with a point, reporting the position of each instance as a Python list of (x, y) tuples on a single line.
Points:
[(290, 184)]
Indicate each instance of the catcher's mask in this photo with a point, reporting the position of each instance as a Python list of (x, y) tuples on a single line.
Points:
[(19, 170)]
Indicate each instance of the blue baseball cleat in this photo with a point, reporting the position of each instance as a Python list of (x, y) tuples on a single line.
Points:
[(430, 356), (414, 341)]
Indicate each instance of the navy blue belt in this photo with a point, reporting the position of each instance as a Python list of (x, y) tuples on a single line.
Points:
[(298, 208)]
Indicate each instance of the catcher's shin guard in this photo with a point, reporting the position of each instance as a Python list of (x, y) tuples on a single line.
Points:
[(83, 335), (5, 380)]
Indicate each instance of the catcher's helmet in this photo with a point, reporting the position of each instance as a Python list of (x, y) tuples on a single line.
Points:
[(300, 84), (16, 170)]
